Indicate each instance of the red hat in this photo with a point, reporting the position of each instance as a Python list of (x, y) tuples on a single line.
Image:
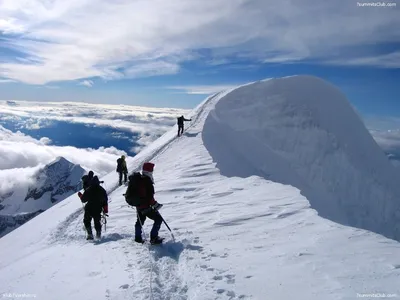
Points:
[(148, 167)]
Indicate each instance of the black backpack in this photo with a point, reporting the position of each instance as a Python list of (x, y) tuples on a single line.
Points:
[(136, 192), (119, 165)]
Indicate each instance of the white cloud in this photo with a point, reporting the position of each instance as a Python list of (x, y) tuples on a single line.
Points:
[(10, 25), (18, 151), (152, 68), (87, 83), (72, 40), (45, 141), (382, 123), (145, 123), (391, 60), (22, 156), (9, 136), (388, 140), (12, 180), (136, 119), (386, 132), (202, 89), (6, 81)]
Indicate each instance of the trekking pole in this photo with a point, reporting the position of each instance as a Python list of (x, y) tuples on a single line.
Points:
[(173, 238)]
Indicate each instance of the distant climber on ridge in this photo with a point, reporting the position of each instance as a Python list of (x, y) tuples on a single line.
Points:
[(140, 193), (181, 119), (96, 200), (122, 169)]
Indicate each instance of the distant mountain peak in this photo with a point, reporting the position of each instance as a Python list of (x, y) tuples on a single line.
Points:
[(58, 177), (56, 181)]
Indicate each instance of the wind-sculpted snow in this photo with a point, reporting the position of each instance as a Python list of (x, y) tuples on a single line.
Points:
[(303, 132)]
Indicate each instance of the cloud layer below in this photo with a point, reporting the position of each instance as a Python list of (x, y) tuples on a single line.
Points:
[(386, 132), (145, 123), (21, 156)]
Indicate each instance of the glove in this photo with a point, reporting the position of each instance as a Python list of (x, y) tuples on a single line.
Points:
[(80, 194), (105, 209), (156, 206)]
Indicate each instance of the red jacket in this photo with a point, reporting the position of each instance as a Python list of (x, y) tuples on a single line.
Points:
[(149, 192)]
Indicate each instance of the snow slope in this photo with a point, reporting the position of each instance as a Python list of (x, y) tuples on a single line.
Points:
[(51, 184), (238, 235), (303, 132)]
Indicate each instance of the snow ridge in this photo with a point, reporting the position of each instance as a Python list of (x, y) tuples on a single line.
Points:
[(302, 131)]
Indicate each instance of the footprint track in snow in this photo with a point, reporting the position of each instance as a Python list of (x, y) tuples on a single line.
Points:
[(230, 294), (124, 286), (222, 194), (230, 279), (286, 214)]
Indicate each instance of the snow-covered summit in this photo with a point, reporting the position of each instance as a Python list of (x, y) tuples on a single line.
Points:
[(59, 178), (302, 131), (231, 187), (51, 184)]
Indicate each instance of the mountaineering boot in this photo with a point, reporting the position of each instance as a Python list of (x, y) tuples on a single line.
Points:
[(139, 240), (89, 232), (98, 234), (156, 240)]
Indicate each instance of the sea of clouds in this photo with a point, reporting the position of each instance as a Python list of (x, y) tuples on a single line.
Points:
[(21, 155)]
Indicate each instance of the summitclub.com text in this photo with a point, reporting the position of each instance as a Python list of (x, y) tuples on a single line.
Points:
[(376, 4)]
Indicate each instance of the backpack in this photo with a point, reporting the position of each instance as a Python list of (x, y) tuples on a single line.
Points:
[(136, 192), (119, 166)]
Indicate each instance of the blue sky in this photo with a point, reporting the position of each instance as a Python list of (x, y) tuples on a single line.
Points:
[(173, 53)]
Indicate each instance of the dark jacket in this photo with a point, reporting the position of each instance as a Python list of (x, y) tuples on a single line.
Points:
[(95, 197), (121, 166), (181, 119), (149, 192)]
